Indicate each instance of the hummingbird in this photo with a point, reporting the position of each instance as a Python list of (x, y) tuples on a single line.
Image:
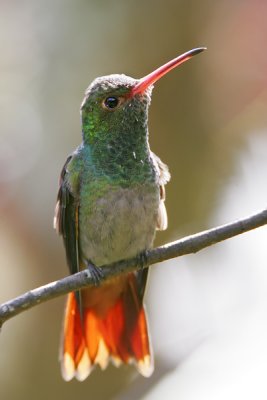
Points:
[(110, 203)]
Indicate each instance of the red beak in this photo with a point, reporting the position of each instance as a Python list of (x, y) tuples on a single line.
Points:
[(151, 78)]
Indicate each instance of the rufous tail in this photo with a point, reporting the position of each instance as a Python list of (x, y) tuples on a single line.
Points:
[(120, 334)]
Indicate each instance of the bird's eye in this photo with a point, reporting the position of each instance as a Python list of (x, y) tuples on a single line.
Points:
[(111, 102)]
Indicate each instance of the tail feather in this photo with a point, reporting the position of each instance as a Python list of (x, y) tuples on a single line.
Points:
[(121, 335), (74, 351)]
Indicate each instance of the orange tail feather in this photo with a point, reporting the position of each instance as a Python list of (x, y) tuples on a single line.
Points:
[(120, 334)]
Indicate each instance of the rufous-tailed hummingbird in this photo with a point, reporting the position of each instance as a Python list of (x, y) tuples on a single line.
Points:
[(110, 203)]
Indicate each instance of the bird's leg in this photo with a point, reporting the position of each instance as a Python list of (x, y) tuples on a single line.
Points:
[(143, 259), (95, 272)]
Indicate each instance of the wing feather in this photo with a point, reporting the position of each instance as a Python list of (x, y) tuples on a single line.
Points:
[(162, 221), (66, 220), (164, 177)]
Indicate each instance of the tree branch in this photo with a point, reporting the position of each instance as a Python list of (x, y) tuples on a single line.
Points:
[(188, 245)]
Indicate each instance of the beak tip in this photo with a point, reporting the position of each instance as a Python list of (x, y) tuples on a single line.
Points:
[(199, 50)]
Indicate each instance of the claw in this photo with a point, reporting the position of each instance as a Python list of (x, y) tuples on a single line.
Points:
[(95, 272), (143, 259)]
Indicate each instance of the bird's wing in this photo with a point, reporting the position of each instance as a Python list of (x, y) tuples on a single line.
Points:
[(162, 221), (66, 220), (164, 177)]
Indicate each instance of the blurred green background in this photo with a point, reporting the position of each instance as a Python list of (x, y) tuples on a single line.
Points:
[(208, 122)]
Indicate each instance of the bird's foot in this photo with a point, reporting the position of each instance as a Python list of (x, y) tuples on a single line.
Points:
[(95, 272), (143, 261)]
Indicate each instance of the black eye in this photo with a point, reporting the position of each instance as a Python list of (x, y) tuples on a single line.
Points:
[(111, 102)]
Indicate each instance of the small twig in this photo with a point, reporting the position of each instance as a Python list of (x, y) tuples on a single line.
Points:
[(187, 245)]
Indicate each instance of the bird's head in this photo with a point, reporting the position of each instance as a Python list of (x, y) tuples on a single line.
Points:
[(117, 105)]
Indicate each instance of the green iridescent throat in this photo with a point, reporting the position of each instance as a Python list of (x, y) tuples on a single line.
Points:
[(118, 146)]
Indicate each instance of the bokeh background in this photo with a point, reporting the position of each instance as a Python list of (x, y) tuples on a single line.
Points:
[(208, 122)]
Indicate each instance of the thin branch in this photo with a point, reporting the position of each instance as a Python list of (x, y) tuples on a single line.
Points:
[(188, 245)]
